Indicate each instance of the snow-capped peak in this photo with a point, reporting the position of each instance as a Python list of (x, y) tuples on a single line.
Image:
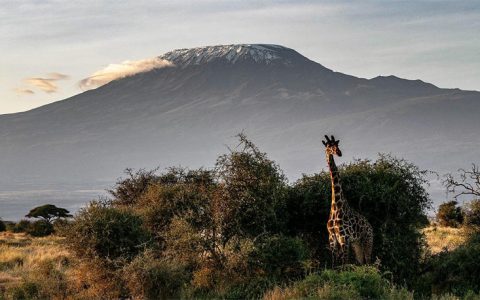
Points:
[(258, 53)]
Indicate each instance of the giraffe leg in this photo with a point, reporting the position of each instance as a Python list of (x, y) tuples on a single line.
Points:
[(368, 245), (345, 253), (359, 252)]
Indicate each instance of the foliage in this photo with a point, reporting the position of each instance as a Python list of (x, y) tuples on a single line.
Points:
[(472, 214), (27, 290), (128, 190), (456, 271), (178, 193), (389, 192), (254, 191), (151, 277), (40, 228), (279, 256), (107, 233), (349, 283), (21, 226), (449, 214), (239, 229), (48, 212)]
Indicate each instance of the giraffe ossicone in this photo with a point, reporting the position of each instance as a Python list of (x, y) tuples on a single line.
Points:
[(347, 229)]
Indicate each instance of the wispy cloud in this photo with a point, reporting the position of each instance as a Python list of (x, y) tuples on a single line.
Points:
[(46, 84), (24, 91), (124, 69)]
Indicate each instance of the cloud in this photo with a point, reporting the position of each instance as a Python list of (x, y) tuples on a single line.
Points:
[(47, 84), (24, 91), (121, 70), (57, 76)]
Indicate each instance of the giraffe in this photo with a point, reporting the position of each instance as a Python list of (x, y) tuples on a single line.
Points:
[(346, 227)]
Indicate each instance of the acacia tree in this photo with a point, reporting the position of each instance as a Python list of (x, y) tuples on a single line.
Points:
[(48, 212)]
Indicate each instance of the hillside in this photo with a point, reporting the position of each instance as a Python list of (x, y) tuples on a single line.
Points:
[(185, 114)]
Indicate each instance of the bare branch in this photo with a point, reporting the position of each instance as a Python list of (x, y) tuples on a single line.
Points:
[(467, 184)]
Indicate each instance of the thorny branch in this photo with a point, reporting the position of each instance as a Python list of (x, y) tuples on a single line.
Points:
[(468, 182)]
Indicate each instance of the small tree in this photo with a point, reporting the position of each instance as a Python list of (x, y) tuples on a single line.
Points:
[(48, 212), (472, 214), (449, 214)]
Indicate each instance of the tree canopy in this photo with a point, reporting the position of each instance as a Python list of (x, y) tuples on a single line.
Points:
[(48, 212)]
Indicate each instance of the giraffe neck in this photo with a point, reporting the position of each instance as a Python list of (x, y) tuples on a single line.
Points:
[(338, 201)]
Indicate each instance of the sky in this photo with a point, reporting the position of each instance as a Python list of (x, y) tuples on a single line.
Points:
[(52, 49)]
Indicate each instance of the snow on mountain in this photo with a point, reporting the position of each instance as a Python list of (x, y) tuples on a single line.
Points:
[(259, 53)]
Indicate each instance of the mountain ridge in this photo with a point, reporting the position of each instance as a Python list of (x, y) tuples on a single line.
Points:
[(185, 115)]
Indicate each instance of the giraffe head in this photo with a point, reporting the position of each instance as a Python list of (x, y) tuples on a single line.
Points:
[(332, 146)]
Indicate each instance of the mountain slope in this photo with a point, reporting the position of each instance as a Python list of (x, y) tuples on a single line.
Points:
[(186, 113)]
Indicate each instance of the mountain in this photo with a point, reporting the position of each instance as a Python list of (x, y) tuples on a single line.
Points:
[(185, 114)]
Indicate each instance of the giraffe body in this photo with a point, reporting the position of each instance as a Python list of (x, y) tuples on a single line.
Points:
[(347, 228)]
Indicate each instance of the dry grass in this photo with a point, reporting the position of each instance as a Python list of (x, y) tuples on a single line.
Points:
[(21, 256), (441, 238)]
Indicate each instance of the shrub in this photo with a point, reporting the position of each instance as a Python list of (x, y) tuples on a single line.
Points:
[(177, 194), (253, 192), (449, 214), (128, 190), (97, 279), (279, 256), (49, 279), (150, 277), (353, 283), (40, 228), (27, 290), (3, 227), (389, 192), (456, 271), (254, 288), (107, 233), (21, 226), (472, 214)]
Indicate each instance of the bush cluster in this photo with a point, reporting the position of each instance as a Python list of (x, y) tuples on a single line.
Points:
[(239, 229), (350, 283), (452, 215)]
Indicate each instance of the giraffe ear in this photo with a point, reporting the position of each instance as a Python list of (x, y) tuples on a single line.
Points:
[(333, 139), (324, 143)]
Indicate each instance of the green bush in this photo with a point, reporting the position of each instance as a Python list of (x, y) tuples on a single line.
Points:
[(456, 271), (3, 227), (107, 233), (389, 192), (21, 226), (279, 256), (449, 214), (350, 283), (40, 228), (151, 277), (254, 191), (254, 288), (472, 214), (25, 291)]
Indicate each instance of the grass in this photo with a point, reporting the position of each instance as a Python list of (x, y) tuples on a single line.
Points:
[(21, 257), (44, 266), (441, 238)]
